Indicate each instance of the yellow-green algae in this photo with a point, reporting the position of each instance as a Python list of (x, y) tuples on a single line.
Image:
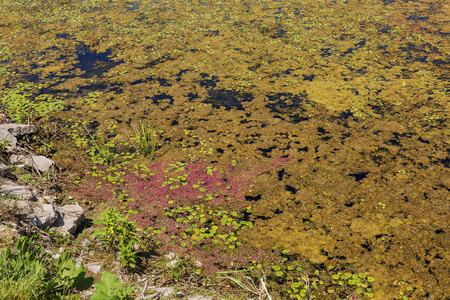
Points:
[(355, 91)]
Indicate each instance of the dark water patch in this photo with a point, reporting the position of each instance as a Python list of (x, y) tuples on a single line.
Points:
[(309, 77), (288, 103), (228, 99), (92, 125), (416, 18), (321, 130), (326, 52), (266, 151), (163, 82), (361, 71), (212, 33), (446, 162), (386, 29), (69, 108), (349, 203), (209, 82), (253, 198), (440, 63), (296, 118), (291, 189), (180, 74), (355, 47), (134, 5), (278, 33), (157, 99), (93, 63), (62, 35), (443, 33), (359, 176), (193, 96), (393, 142)]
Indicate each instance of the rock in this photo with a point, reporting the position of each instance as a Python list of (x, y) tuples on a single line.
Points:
[(199, 297), (85, 243), (94, 267), (70, 217), (4, 170), (163, 292), (4, 118), (47, 199), (10, 132), (43, 215), (38, 162), (78, 262), (18, 129), (39, 214), (42, 163), (198, 264), (22, 192)]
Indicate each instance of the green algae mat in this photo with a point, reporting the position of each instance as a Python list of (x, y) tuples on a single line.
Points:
[(353, 96)]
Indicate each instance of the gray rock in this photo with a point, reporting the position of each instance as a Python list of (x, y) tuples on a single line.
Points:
[(70, 217), (43, 215), (85, 243), (10, 132), (38, 162), (4, 170), (48, 199), (22, 192), (18, 129), (199, 297), (39, 214), (162, 292), (94, 267), (43, 163)]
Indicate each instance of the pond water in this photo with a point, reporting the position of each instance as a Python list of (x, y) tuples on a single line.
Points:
[(356, 92)]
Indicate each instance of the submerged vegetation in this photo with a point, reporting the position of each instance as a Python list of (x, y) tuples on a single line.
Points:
[(301, 147)]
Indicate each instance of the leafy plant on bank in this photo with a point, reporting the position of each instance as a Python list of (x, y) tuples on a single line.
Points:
[(68, 275), (111, 288), (29, 273), (119, 234)]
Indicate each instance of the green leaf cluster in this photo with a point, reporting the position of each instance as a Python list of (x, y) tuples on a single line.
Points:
[(119, 234), (111, 288)]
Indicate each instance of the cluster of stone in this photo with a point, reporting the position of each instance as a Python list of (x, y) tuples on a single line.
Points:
[(36, 210)]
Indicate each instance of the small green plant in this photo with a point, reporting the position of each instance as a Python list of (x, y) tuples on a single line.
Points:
[(102, 146), (177, 267), (144, 140), (68, 275), (26, 178), (119, 234), (29, 273), (248, 284), (23, 274), (111, 288)]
